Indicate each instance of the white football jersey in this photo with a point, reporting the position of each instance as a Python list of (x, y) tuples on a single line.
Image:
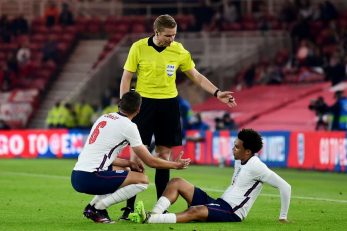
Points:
[(247, 182), (108, 136)]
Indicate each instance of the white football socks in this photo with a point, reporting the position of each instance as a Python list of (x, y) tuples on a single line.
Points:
[(162, 218), (121, 194), (98, 198), (162, 204)]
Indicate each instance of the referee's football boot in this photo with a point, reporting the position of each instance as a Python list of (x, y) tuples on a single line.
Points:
[(126, 212), (98, 216)]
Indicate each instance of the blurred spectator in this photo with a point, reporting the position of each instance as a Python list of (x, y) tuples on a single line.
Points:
[(314, 59), (84, 113), (219, 124), (203, 16), (316, 12), (225, 123), (23, 54), (106, 97), (12, 63), (20, 25), (288, 13), (66, 17), (328, 11), (228, 122), (50, 50), (67, 116), (230, 13), (4, 125), (250, 75), (113, 107), (335, 71), (216, 23), (5, 32), (97, 112), (305, 9), (5, 78), (339, 112), (343, 37), (198, 124), (300, 31), (186, 114), (51, 14), (320, 107), (70, 117), (52, 120), (273, 75)]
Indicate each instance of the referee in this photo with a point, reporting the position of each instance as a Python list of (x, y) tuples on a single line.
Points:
[(155, 61)]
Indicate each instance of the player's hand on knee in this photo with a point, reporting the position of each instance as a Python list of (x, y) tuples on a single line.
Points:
[(137, 167)]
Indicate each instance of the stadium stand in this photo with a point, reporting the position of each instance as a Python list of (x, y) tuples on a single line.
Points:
[(105, 20), (283, 107)]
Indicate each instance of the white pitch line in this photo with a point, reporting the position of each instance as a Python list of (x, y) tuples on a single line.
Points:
[(206, 189), (34, 175)]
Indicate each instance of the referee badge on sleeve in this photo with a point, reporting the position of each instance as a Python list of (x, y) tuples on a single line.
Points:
[(170, 69)]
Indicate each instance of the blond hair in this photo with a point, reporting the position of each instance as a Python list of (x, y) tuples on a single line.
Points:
[(164, 21)]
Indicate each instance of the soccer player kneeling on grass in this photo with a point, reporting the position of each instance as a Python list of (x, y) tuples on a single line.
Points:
[(95, 171), (233, 206)]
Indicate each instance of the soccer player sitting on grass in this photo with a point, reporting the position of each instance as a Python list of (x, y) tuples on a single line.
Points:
[(233, 206), (95, 171)]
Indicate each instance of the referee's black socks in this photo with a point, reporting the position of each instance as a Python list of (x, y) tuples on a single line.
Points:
[(131, 203), (162, 177)]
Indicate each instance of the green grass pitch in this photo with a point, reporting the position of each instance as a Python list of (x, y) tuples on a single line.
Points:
[(37, 195)]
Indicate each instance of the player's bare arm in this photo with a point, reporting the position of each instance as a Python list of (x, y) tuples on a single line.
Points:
[(119, 162), (125, 82), (153, 162)]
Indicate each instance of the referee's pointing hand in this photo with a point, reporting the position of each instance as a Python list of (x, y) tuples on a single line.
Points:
[(227, 98)]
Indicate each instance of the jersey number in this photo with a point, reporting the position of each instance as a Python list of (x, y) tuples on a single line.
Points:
[(96, 132)]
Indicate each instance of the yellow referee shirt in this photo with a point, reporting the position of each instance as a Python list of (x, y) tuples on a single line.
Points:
[(156, 71)]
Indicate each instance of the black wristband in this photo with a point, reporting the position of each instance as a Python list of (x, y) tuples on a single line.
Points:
[(215, 94)]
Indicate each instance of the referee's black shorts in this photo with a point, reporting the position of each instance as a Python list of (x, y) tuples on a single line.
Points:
[(160, 117)]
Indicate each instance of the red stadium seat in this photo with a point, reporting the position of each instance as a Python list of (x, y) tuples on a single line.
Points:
[(116, 37), (81, 24), (57, 29), (234, 26), (123, 28), (138, 28), (42, 30), (43, 74), (37, 22), (63, 48), (36, 55), (49, 66), (249, 25), (71, 30), (36, 46), (39, 38), (94, 25), (9, 47), (109, 46), (66, 38)]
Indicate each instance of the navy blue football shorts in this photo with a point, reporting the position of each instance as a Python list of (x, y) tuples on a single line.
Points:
[(161, 118), (97, 183), (218, 209)]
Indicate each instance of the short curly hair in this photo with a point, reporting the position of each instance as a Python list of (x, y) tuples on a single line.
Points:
[(251, 139)]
